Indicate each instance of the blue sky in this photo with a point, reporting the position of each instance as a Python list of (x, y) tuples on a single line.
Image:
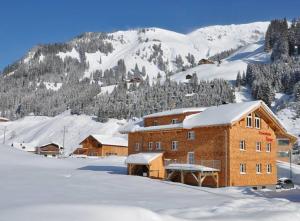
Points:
[(27, 23)]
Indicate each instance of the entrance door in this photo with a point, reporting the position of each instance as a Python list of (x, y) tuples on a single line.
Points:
[(191, 158)]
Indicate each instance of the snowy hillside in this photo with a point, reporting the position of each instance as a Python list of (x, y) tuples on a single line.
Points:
[(40, 130), (230, 66), (154, 49), (35, 188)]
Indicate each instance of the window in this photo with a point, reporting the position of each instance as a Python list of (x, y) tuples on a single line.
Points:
[(150, 145), (249, 121), (174, 145), (269, 168), (174, 121), (258, 168), (155, 123), (283, 142), (257, 121), (258, 146), (191, 135), (137, 146), (242, 145), (158, 146), (268, 149), (242, 168), (191, 158)]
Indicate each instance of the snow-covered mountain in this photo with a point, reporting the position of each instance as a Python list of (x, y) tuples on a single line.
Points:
[(153, 50)]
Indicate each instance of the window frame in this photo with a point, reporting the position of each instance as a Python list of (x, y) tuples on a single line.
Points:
[(158, 145), (249, 119), (258, 168), (256, 145), (137, 146), (269, 168), (242, 145), (174, 121), (268, 147), (188, 157), (191, 135), (150, 145), (257, 119), (155, 123), (243, 168), (174, 145)]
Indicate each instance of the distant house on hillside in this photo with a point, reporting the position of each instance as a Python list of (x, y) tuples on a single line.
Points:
[(3, 119), (205, 61), (49, 150), (102, 145)]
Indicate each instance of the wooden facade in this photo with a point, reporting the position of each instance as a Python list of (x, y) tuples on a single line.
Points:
[(51, 149), (93, 147), (244, 156)]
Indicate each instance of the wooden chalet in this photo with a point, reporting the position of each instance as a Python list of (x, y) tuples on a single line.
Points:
[(205, 61), (101, 145), (227, 145), (49, 150)]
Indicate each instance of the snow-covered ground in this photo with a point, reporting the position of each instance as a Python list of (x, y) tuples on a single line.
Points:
[(39, 130), (37, 188)]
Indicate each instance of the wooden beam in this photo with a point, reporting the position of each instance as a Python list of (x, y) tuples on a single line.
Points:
[(195, 177), (182, 176), (170, 175)]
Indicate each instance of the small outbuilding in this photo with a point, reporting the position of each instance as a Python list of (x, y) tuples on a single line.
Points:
[(102, 145)]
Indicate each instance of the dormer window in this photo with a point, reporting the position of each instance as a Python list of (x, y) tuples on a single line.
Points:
[(174, 121), (257, 121), (249, 120)]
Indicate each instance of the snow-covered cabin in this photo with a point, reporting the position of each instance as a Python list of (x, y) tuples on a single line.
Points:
[(226, 145), (103, 145), (3, 119)]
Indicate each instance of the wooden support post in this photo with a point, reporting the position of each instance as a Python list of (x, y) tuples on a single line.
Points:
[(217, 177), (182, 176), (194, 176), (200, 180)]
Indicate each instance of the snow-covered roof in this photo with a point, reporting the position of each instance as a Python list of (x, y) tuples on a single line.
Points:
[(142, 158), (110, 140), (225, 114), (48, 143), (190, 167), (176, 111), (216, 115)]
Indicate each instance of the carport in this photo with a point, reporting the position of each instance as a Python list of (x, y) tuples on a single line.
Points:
[(146, 164)]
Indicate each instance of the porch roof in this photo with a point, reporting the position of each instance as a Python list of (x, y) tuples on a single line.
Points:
[(142, 158), (190, 167)]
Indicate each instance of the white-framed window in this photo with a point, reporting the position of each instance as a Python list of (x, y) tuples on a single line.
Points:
[(269, 168), (257, 121), (174, 145), (258, 146), (150, 145), (242, 168), (158, 146), (191, 135), (268, 148), (242, 145), (137, 146), (191, 158), (174, 121), (249, 120), (258, 168)]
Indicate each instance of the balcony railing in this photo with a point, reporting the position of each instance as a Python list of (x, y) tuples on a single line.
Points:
[(216, 164)]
